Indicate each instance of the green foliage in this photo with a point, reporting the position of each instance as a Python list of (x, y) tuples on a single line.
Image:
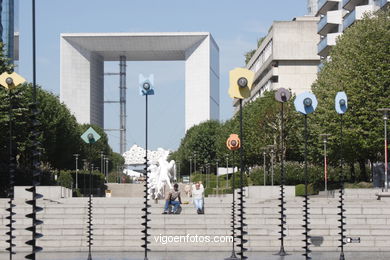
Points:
[(300, 190), (360, 185), (65, 180), (360, 66), (83, 177), (200, 140), (248, 55)]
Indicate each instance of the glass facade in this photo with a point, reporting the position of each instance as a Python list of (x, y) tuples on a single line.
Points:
[(7, 27)]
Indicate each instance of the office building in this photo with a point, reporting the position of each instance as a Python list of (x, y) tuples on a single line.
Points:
[(338, 15), (287, 57), (8, 28)]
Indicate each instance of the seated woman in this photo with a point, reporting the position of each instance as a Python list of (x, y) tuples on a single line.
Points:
[(197, 196), (171, 200)]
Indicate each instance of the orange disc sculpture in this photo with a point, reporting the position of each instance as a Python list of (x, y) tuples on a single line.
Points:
[(233, 143)]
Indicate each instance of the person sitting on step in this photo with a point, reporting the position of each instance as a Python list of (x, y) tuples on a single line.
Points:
[(171, 200), (197, 197)]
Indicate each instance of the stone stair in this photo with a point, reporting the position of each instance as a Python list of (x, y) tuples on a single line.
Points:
[(117, 224)]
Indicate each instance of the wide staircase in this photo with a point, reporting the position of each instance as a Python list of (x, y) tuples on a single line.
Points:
[(117, 224)]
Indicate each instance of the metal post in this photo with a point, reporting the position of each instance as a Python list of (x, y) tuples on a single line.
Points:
[(122, 102), (178, 177), (325, 140), (306, 203), (194, 161), (341, 197), (36, 172), (282, 252), (233, 256), (77, 169), (386, 155), (325, 168), (264, 167), (385, 112), (241, 192), (217, 176), (146, 197), (106, 175), (190, 168), (11, 190), (90, 206), (227, 171), (101, 161), (271, 147)]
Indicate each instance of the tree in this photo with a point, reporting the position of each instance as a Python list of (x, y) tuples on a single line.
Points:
[(248, 55), (199, 139), (360, 66)]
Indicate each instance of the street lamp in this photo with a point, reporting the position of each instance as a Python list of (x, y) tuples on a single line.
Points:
[(190, 167), (216, 162), (325, 140), (385, 112), (101, 161), (106, 174), (264, 165), (195, 161), (272, 147), (178, 171), (77, 169), (227, 171)]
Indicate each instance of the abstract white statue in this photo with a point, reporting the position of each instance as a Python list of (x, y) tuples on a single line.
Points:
[(160, 175)]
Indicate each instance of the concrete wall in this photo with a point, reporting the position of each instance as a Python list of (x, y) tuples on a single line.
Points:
[(75, 80), (202, 83), (126, 190), (268, 192), (48, 192)]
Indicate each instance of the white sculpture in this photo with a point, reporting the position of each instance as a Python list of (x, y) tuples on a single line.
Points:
[(160, 175)]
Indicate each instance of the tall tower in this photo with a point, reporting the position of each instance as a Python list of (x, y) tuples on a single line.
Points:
[(7, 20), (312, 6)]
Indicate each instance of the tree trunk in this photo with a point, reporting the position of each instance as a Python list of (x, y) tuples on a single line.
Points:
[(363, 173), (352, 171)]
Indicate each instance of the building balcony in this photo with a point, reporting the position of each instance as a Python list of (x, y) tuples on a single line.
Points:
[(326, 5), (326, 44), (351, 4), (330, 22), (357, 14)]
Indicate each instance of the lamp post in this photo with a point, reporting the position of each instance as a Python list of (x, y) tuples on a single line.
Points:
[(77, 169), (227, 171), (385, 112), (205, 172), (101, 161), (195, 161), (325, 140), (10, 81), (271, 147), (178, 171), (216, 164), (282, 95), (264, 165), (190, 167), (106, 174)]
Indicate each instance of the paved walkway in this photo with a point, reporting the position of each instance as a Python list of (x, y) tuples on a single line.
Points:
[(202, 256)]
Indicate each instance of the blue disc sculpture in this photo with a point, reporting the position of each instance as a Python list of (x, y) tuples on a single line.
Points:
[(305, 104), (341, 106)]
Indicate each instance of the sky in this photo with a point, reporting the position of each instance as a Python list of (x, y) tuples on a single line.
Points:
[(235, 26)]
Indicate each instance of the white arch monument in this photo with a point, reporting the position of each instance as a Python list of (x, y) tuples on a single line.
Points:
[(82, 71)]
